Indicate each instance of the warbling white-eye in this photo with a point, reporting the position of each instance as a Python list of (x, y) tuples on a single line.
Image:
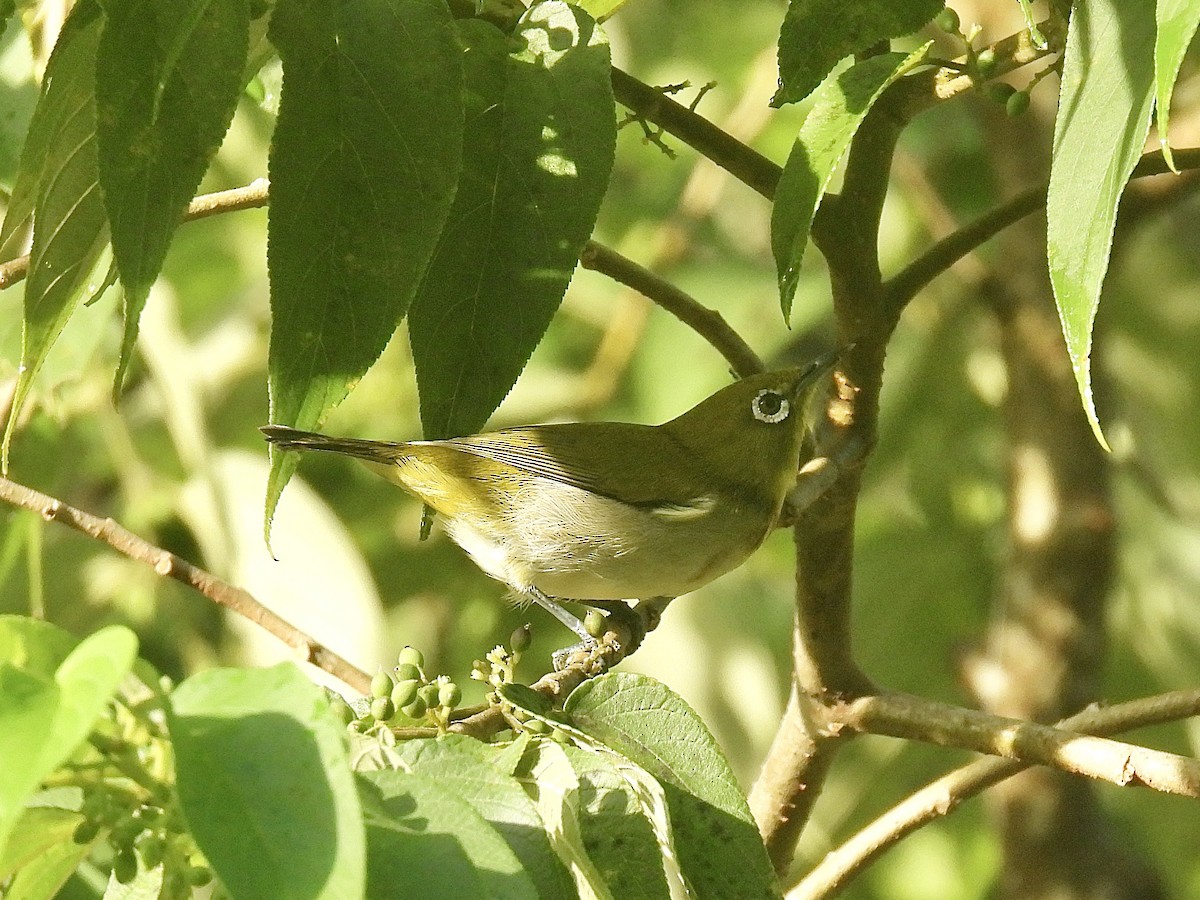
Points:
[(608, 510)]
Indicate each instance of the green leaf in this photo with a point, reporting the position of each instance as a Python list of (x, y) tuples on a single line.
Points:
[(167, 81), (70, 229), (600, 9), (38, 831), (553, 785), (28, 703), (47, 854), (720, 851), (537, 153), (1103, 118), (616, 833), (44, 719), (816, 34), (265, 785), (475, 772), (839, 106), (425, 841), (1177, 20), (363, 166), (87, 680), (34, 645)]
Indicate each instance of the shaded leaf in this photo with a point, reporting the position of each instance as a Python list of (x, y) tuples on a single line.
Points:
[(720, 851), (70, 229), (265, 785), (1103, 118), (1177, 20), (167, 81), (839, 106), (363, 167), (538, 150), (553, 785), (476, 772), (425, 841), (618, 838), (816, 34)]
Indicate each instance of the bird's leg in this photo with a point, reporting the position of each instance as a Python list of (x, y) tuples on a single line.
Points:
[(556, 609)]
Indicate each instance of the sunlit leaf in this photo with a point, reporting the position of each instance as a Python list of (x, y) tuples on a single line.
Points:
[(1177, 20), (839, 106), (1103, 118), (540, 133), (816, 34)]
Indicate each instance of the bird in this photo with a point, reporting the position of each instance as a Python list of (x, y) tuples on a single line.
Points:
[(607, 511)]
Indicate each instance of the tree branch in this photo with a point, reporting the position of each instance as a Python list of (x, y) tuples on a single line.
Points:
[(250, 196), (169, 565), (840, 866), (905, 284), (741, 161), (708, 323), (916, 718)]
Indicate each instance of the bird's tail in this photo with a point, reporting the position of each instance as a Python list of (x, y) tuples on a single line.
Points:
[(286, 438)]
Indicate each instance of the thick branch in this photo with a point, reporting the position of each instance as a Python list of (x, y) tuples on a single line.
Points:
[(905, 285), (915, 718), (839, 867), (168, 564), (741, 161)]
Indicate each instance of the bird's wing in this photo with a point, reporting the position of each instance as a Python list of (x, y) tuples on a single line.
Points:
[(637, 464)]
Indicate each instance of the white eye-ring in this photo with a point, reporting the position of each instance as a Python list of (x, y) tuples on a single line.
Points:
[(770, 407)]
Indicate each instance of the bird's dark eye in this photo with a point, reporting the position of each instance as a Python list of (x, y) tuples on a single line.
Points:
[(770, 407)]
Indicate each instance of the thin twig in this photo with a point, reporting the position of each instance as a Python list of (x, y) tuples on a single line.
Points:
[(916, 718), (708, 323), (938, 798), (168, 564), (251, 196)]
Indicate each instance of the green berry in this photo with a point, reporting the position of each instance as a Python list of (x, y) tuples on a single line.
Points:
[(449, 695), (382, 708), (125, 831), (381, 684), (413, 656), (341, 709), (416, 709), (999, 91), (407, 672), (593, 622), (85, 832), (429, 694), (985, 61), (947, 20), (519, 639), (404, 692), (125, 866), (1017, 103), (150, 848)]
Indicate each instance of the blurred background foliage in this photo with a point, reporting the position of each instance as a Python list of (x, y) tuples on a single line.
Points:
[(181, 461)]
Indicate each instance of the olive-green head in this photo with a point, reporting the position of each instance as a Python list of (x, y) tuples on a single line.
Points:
[(748, 435)]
